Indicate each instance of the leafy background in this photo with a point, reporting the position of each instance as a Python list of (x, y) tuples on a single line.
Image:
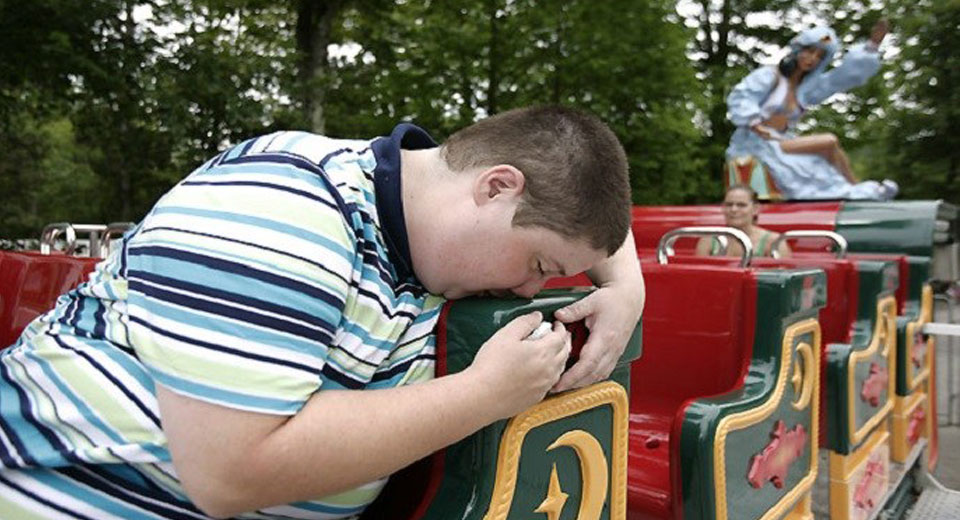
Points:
[(104, 104)]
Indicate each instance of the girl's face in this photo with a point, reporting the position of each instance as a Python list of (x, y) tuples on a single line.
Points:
[(809, 57), (739, 210)]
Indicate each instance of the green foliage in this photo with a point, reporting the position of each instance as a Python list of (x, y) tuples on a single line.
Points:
[(447, 64), (105, 104), (921, 144)]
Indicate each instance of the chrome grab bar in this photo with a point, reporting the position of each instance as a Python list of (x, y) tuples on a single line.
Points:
[(810, 233), (51, 232), (99, 237), (112, 229), (665, 247)]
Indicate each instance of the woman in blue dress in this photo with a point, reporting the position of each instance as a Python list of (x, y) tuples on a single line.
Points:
[(767, 105)]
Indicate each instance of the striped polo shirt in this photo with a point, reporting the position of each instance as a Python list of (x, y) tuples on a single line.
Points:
[(275, 270)]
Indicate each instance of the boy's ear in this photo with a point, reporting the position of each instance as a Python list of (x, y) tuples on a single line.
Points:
[(498, 182)]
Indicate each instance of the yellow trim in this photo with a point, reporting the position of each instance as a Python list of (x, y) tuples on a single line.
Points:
[(926, 315), (551, 409), (803, 510), (844, 467), (753, 416), (902, 410), (884, 340), (930, 424)]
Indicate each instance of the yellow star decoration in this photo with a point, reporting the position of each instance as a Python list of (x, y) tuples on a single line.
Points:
[(556, 498)]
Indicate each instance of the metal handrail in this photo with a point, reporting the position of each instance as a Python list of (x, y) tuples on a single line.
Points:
[(99, 236), (810, 233), (665, 247), (50, 234), (112, 229)]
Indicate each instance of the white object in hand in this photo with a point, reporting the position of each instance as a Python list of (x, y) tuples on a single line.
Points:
[(540, 331)]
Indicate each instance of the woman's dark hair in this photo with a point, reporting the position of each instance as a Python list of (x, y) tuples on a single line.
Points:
[(753, 194), (789, 62)]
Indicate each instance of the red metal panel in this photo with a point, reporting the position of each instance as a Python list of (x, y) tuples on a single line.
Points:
[(784, 216), (30, 284), (698, 329), (651, 222)]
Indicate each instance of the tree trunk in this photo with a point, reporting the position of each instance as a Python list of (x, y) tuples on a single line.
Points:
[(558, 57), (124, 105), (314, 21), (493, 71)]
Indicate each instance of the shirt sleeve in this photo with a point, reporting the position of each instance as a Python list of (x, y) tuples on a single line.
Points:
[(237, 282), (860, 63), (743, 103)]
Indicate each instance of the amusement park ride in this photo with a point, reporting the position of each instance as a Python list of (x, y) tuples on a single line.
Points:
[(756, 388)]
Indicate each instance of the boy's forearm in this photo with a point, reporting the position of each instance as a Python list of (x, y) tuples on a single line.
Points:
[(623, 265), (339, 440)]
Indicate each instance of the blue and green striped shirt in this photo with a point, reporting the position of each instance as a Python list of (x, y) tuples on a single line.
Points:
[(277, 269)]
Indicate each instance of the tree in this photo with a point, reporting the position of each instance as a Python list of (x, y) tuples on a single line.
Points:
[(921, 147), (447, 64)]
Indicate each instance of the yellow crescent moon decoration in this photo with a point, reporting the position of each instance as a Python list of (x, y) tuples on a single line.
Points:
[(803, 376), (883, 330), (593, 470)]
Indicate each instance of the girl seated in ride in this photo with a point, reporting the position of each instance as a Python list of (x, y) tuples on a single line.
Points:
[(767, 105), (740, 210)]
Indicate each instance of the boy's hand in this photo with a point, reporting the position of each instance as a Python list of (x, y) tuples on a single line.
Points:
[(611, 313), (517, 371)]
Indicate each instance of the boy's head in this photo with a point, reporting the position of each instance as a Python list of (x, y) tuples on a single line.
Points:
[(523, 197), (576, 182)]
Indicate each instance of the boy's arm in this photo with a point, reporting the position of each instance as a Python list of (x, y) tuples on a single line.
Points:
[(611, 313), (231, 461)]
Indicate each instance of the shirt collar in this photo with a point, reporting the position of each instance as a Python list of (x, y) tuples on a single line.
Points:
[(387, 183)]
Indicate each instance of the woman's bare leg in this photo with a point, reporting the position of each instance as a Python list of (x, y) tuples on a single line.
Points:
[(826, 145)]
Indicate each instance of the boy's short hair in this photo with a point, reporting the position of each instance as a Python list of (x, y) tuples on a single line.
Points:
[(576, 175)]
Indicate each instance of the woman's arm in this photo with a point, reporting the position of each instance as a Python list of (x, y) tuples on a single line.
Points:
[(782, 249), (860, 63), (232, 461), (703, 246)]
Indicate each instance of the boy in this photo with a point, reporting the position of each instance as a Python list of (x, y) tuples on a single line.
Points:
[(255, 340)]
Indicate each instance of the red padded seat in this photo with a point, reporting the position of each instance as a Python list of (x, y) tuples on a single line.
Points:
[(698, 328)]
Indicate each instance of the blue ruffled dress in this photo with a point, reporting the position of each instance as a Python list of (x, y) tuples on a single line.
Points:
[(764, 92)]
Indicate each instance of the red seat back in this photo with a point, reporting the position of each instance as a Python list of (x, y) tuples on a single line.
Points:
[(30, 284), (698, 322), (651, 222), (698, 328)]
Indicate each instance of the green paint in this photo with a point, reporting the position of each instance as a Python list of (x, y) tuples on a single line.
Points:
[(919, 269), (877, 280), (904, 227), (470, 465), (780, 303)]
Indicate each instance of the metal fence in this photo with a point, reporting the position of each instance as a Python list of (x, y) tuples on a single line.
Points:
[(948, 391)]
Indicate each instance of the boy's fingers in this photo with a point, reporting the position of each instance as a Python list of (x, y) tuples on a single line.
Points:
[(521, 326), (593, 366), (577, 310)]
